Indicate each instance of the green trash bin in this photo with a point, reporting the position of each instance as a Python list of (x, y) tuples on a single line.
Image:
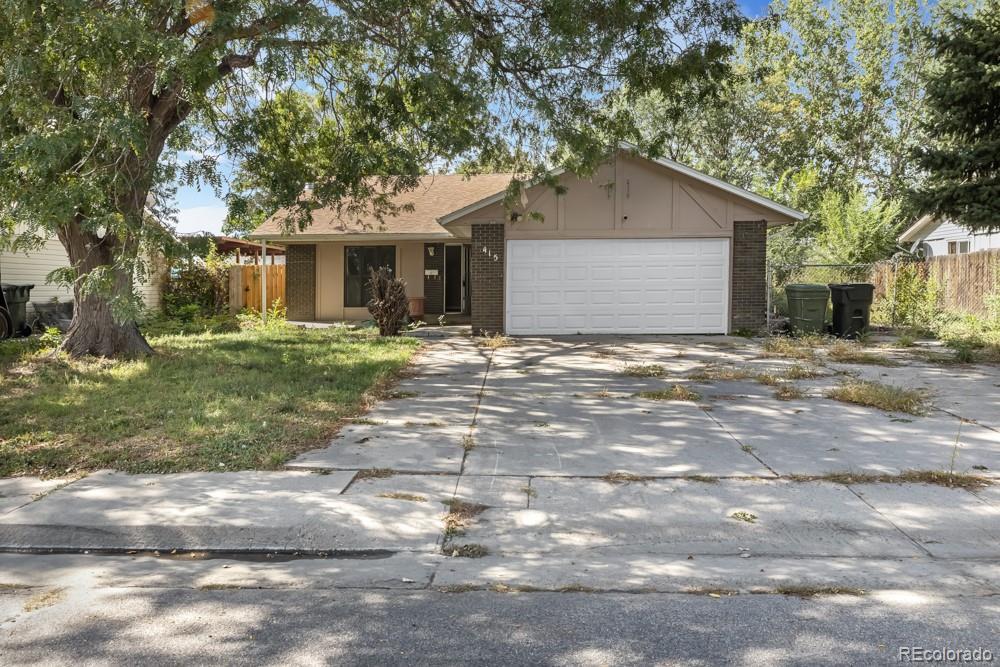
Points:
[(17, 303), (807, 307)]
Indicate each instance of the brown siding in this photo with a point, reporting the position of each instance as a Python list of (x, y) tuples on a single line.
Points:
[(434, 285), (486, 272), (749, 286), (300, 282)]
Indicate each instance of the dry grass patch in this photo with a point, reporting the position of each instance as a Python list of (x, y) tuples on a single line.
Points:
[(468, 442), (644, 370), (460, 515), (44, 599), (722, 373), (933, 477), (745, 517), (793, 348), (375, 473), (800, 372), (853, 353), (789, 392), (815, 591), (398, 495), (496, 341), (468, 551), (675, 393), (882, 396)]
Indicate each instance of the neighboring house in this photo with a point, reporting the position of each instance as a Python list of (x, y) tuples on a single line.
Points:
[(33, 266), (644, 246), (936, 237)]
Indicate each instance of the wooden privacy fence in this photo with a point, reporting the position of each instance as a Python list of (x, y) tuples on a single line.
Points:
[(245, 286), (964, 281)]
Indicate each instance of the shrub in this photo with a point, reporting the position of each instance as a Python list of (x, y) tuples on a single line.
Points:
[(389, 305), (196, 287), (911, 299), (277, 318)]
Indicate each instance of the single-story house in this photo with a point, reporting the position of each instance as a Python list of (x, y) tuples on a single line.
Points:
[(935, 236), (642, 246)]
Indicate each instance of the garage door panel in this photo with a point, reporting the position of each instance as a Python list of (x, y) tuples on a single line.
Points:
[(617, 286)]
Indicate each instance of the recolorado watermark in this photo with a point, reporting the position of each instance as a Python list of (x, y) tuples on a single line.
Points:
[(944, 655)]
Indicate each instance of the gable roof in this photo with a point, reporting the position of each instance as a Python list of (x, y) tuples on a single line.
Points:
[(435, 196), (919, 230), (443, 198), (694, 174)]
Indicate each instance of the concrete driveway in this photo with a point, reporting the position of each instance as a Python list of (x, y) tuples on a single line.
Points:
[(586, 480)]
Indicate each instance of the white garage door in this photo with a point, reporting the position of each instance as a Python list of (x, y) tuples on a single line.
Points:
[(617, 286)]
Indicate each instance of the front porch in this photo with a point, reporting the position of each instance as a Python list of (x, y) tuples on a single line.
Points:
[(327, 281)]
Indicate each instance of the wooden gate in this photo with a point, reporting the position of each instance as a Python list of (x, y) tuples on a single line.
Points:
[(245, 284)]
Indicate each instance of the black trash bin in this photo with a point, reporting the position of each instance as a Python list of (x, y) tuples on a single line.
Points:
[(852, 305), (17, 302)]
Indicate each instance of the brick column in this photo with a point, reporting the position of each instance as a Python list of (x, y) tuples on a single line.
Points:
[(434, 285), (487, 276), (300, 282), (749, 279)]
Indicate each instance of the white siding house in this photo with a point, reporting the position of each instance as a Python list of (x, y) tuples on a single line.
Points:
[(32, 267), (937, 238)]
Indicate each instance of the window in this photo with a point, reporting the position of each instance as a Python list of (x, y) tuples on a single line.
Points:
[(358, 262), (958, 247)]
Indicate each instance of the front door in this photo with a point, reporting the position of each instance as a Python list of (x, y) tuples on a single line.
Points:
[(454, 279)]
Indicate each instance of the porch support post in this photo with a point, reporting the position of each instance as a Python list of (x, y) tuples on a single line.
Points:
[(263, 280)]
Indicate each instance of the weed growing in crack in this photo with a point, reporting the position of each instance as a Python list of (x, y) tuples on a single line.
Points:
[(622, 477), (933, 477), (375, 473), (397, 495), (675, 393), (789, 392), (460, 515), (644, 370), (882, 396), (468, 551)]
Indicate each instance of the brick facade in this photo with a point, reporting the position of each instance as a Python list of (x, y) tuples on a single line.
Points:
[(749, 279), (300, 282), (434, 285), (487, 276)]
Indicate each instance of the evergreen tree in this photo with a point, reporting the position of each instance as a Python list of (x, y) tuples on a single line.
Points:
[(963, 95)]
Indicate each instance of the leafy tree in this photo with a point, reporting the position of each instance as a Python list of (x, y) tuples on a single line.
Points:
[(106, 107), (855, 229), (963, 95)]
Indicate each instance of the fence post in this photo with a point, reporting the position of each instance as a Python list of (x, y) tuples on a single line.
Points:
[(893, 265), (235, 289)]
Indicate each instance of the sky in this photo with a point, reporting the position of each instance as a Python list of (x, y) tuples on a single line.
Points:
[(200, 210)]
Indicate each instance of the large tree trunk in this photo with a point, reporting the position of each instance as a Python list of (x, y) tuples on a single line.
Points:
[(94, 330)]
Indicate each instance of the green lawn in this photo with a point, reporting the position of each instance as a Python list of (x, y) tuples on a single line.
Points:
[(231, 401)]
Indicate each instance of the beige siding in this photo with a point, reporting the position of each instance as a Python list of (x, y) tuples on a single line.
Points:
[(330, 276), (631, 198), (34, 266)]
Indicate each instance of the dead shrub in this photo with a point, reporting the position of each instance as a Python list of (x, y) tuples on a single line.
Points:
[(389, 304)]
